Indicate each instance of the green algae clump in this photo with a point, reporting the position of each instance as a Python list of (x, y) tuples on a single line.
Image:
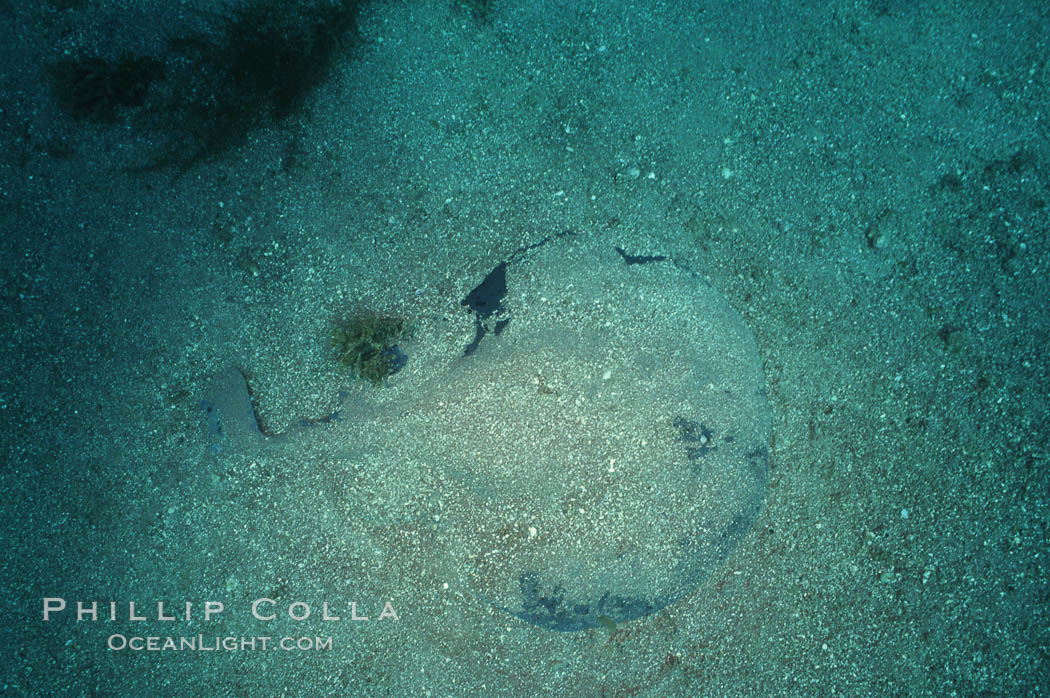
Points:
[(367, 344)]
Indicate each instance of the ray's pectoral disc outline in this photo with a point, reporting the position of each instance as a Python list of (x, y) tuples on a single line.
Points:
[(606, 430)]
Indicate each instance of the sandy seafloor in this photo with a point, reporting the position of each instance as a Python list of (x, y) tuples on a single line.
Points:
[(866, 182)]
